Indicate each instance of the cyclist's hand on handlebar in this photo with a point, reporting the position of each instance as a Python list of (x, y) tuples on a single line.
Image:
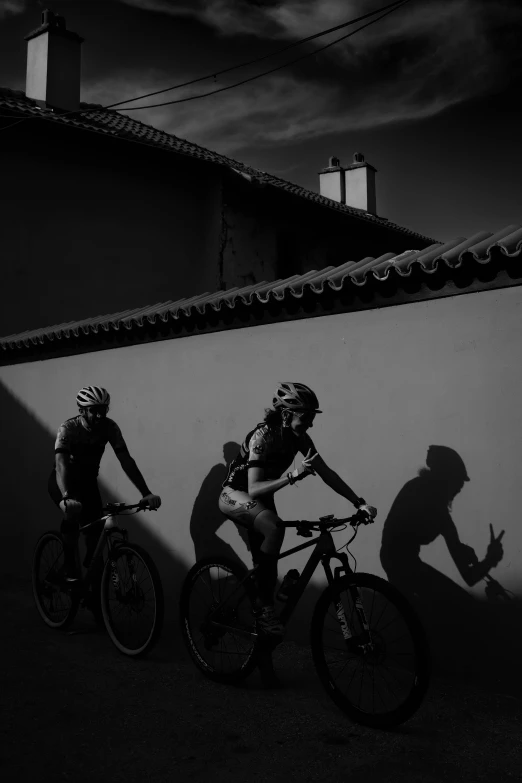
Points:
[(151, 501), (371, 511)]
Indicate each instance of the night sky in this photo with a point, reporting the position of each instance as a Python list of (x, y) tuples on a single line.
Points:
[(430, 94)]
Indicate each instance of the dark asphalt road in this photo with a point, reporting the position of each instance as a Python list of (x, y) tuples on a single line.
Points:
[(74, 709)]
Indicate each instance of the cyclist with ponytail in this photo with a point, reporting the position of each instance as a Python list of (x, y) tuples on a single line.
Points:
[(261, 469)]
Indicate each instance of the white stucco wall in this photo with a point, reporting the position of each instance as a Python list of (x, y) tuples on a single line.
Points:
[(391, 382)]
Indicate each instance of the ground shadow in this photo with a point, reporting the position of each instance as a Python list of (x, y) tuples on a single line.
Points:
[(467, 636), (28, 511)]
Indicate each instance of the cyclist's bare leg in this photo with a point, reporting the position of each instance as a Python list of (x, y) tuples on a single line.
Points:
[(260, 517), (265, 540), (70, 534), (266, 524)]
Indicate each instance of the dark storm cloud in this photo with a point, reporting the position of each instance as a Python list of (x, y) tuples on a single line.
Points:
[(419, 61), (414, 64), (11, 7)]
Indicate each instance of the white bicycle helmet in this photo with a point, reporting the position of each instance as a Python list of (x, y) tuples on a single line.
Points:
[(92, 395), (295, 396)]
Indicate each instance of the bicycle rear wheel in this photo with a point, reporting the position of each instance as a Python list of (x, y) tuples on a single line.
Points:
[(217, 619), (378, 678), (132, 600), (55, 601)]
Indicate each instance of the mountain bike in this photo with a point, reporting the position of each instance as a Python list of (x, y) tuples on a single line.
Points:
[(368, 645), (121, 584)]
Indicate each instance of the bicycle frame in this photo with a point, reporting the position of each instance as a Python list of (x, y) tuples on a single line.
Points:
[(324, 551), (109, 529)]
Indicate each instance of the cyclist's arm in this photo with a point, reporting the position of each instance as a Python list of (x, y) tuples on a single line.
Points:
[(62, 458), (127, 462), (470, 569), (62, 462), (335, 482), (258, 450), (132, 472), (257, 486)]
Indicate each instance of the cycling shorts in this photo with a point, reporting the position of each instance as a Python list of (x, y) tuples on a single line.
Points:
[(83, 489), (241, 508)]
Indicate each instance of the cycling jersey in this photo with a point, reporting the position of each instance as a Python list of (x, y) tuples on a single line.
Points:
[(85, 447), (272, 449)]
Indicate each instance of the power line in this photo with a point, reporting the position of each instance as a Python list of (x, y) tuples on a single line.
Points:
[(23, 119), (391, 7), (258, 59), (265, 73)]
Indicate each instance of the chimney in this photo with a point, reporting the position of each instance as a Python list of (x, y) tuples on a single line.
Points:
[(54, 64), (352, 185)]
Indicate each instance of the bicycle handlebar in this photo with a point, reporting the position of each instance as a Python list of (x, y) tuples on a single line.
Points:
[(304, 527), (118, 507), (113, 508)]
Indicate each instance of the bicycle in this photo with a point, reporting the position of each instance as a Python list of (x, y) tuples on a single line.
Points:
[(368, 645), (123, 590), (495, 592)]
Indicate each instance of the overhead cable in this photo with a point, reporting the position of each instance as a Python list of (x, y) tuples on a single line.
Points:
[(259, 59), (264, 73)]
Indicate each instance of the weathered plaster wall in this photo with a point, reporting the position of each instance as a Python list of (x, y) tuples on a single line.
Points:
[(269, 234), (91, 226), (391, 382)]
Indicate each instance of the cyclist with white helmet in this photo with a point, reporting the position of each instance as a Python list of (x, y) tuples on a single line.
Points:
[(73, 483), (261, 469)]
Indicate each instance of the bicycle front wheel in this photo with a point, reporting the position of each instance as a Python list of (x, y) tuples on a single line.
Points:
[(217, 619), (55, 601), (378, 676), (132, 600)]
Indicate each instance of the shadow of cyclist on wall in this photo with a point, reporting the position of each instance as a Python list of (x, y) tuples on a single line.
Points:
[(420, 513), (206, 518)]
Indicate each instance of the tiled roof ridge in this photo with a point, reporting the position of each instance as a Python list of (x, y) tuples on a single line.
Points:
[(355, 274), (251, 171), (95, 107), (99, 120)]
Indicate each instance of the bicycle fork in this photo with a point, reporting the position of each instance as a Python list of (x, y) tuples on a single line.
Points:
[(348, 629), (347, 632), (115, 577), (119, 587), (129, 592)]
